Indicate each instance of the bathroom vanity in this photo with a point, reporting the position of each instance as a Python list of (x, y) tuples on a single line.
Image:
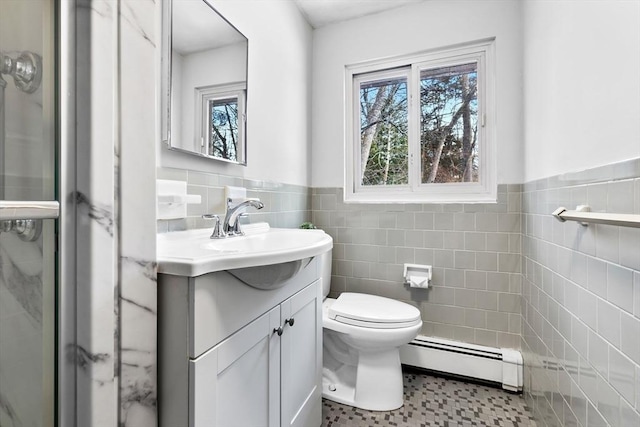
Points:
[(233, 354)]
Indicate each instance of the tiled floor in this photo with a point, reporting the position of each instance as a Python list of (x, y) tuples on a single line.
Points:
[(436, 401)]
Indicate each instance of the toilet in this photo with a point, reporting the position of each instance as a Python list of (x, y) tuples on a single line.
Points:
[(361, 339)]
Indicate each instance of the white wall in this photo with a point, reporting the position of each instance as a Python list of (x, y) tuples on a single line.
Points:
[(279, 82), (582, 84), (195, 70), (409, 30)]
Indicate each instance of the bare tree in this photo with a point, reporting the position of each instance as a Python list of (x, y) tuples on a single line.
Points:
[(444, 132), (387, 160), (466, 126), (372, 120), (223, 128)]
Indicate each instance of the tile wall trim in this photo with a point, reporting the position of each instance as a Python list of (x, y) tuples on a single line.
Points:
[(627, 169)]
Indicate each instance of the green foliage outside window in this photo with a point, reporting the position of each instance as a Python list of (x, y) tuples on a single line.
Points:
[(384, 132), (448, 128), (449, 124)]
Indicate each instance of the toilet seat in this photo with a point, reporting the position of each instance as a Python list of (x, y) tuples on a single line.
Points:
[(371, 311)]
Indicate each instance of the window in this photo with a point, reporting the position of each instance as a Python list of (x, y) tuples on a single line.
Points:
[(221, 121), (420, 128), (384, 132), (222, 137)]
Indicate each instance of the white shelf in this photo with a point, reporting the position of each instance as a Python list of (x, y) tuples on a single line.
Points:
[(180, 198), (172, 199)]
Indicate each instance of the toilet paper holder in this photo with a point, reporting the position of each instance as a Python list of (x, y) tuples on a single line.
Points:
[(417, 275)]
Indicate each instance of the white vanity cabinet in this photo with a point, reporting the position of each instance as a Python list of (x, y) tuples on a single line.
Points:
[(301, 359), (232, 355)]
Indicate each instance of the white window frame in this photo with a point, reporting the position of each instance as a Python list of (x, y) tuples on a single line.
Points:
[(485, 190), (206, 94), (405, 72)]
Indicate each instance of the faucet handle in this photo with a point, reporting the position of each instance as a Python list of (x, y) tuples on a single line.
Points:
[(218, 233), (235, 229), (233, 202)]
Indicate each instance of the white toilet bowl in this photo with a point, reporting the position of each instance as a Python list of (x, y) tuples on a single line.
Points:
[(361, 339)]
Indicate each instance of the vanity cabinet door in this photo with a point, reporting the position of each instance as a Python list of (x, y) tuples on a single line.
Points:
[(237, 382), (301, 367)]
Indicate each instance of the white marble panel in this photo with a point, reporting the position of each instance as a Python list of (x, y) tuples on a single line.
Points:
[(21, 352), (138, 317), (95, 350)]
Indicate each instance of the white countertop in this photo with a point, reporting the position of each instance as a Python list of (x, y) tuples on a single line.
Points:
[(193, 253)]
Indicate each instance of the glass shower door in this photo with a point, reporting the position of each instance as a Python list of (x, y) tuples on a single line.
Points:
[(28, 213)]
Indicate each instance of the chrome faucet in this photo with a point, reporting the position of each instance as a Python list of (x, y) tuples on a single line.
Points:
[(231, 224)]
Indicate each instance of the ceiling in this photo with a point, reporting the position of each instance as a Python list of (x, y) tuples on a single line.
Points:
[(323, 12), (197, 26)]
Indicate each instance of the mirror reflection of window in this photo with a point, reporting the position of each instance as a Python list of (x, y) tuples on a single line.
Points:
[(204, 70), (221, 121), (223, 128)]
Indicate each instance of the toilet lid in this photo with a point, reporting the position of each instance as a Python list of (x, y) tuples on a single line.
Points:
[(372, 311)]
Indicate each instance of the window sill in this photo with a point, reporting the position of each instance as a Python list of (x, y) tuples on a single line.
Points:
[(399, 197)]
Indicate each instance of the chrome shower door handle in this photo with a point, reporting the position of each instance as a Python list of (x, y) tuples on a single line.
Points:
[(25, 217)]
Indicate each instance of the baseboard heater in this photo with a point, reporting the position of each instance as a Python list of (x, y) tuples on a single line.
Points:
[(500, 366)]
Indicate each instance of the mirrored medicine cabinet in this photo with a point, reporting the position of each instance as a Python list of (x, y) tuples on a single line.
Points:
[(204, 82)]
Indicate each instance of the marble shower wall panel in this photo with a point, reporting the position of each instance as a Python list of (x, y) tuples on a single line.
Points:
[(95, 352), (21, 263), (136, 198), (581, 300), (21, 332), (115, 352), (475, 295), (26, 270), (285, 205)]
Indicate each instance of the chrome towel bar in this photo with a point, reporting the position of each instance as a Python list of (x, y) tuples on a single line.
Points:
[(583, 215), (17, 210)]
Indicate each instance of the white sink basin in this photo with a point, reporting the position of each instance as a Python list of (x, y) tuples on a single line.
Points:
[(193, 253)]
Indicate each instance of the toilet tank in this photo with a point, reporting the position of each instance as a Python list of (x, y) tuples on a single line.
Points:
[(325, 273)]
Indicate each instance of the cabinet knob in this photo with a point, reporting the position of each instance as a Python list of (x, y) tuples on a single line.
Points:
[(277, 331), (289, 321)]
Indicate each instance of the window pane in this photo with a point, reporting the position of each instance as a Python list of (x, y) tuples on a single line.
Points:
[(449, 124), (223, 128), (383, 132)]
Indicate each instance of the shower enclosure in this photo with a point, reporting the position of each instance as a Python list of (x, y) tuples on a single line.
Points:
[(30, 150)]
